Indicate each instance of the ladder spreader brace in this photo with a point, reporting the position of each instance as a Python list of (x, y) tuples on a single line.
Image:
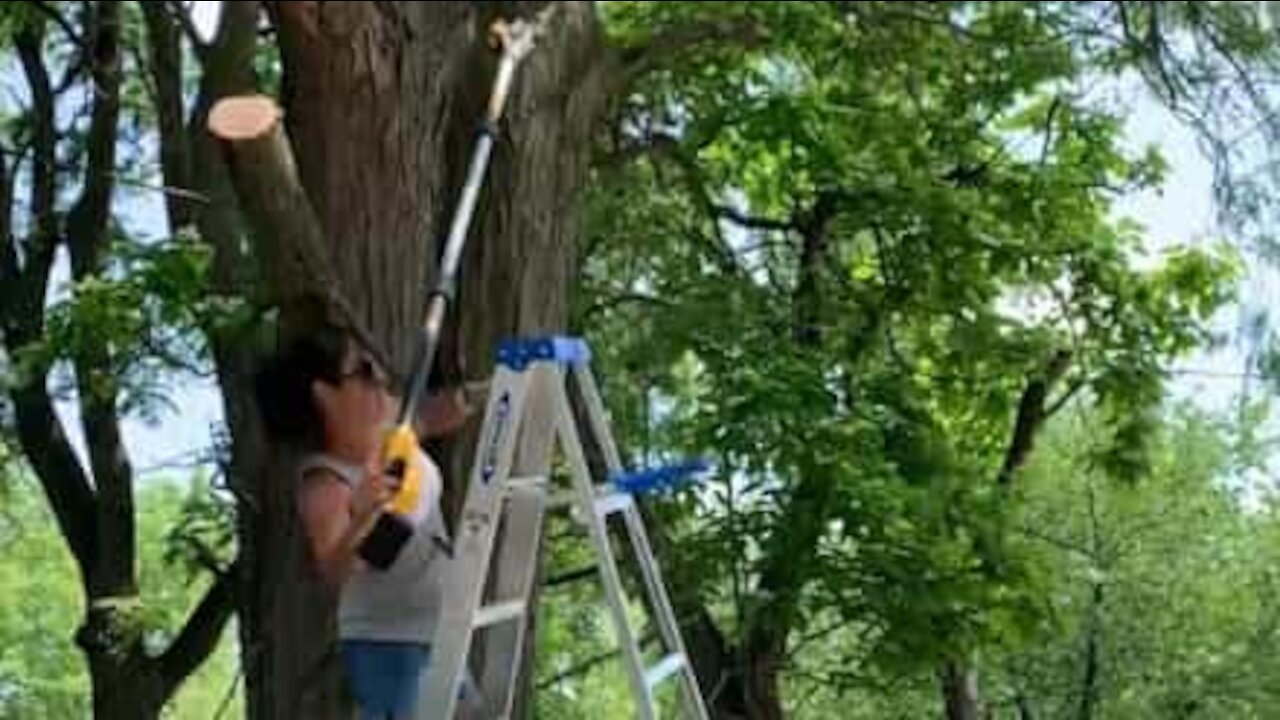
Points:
[(489, 580)]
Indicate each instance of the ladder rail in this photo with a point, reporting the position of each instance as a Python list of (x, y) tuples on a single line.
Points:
[(518, 560), (469, 567), (610, 576), (668, 625)]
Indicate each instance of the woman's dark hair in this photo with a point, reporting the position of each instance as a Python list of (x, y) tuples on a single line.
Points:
[(283, 384)]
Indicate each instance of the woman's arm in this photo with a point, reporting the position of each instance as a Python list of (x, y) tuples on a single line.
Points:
[(337, 520)]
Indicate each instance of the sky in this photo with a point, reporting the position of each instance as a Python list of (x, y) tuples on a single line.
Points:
[(1182, 211)]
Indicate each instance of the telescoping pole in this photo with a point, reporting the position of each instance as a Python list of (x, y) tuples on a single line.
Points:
[(389, 535)]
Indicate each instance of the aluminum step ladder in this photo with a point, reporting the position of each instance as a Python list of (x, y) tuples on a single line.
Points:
[(490, 579)]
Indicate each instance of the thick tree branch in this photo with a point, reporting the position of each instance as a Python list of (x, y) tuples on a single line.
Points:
[(88, 235), (10, 272), (1031, 415), (165, 68), (179, 12), (228, 70), (40, 245), (265, 176), (88, 220), (47, 448), (199, 636), (40, 432)]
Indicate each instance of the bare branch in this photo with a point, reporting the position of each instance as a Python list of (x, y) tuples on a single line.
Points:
[(62, 22)]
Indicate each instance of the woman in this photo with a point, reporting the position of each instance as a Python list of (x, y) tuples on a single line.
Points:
[(328, 396)]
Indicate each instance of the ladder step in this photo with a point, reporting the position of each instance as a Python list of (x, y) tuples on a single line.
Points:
[(668, 666), (519, 353), (531, 482), (498, 613), (669, 477), (606, 505)]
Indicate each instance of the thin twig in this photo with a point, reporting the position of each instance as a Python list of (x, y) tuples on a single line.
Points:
[(62, 22)]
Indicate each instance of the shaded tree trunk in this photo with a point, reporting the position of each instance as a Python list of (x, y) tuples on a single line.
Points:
[(960, 691), (1089, 678)]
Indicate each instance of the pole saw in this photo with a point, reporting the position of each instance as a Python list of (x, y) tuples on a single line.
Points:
[(392, 530)]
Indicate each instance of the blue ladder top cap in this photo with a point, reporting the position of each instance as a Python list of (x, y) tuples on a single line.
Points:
[(659, 478), (517, 354)]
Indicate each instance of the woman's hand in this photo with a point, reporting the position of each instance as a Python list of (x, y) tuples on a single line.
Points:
[(373, 493), (442, 413)]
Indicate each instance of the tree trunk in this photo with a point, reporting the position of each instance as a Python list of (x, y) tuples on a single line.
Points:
[(960, 691), (382, 102), (124, 687), (1089, 678)]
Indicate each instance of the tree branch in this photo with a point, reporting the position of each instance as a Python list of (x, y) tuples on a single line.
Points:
[(571, 576), (752, 222), (265, 176), (47, 448), (40, 245), (606, 304), (40, 432), (671, 44), (88, 235), (655, 143), (179, 13), (10, 272), (62, 22), (1073, 388), (1061, 544), (1031, 415), (165, 68), (228, 69), (584, 666), (199, 636)]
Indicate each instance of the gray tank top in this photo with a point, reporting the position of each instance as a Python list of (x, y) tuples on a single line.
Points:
[(401, 603)]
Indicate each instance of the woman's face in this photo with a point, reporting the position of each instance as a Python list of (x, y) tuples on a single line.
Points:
[(356, 408)]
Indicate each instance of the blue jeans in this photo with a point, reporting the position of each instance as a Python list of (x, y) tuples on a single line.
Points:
[(384, 676)]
